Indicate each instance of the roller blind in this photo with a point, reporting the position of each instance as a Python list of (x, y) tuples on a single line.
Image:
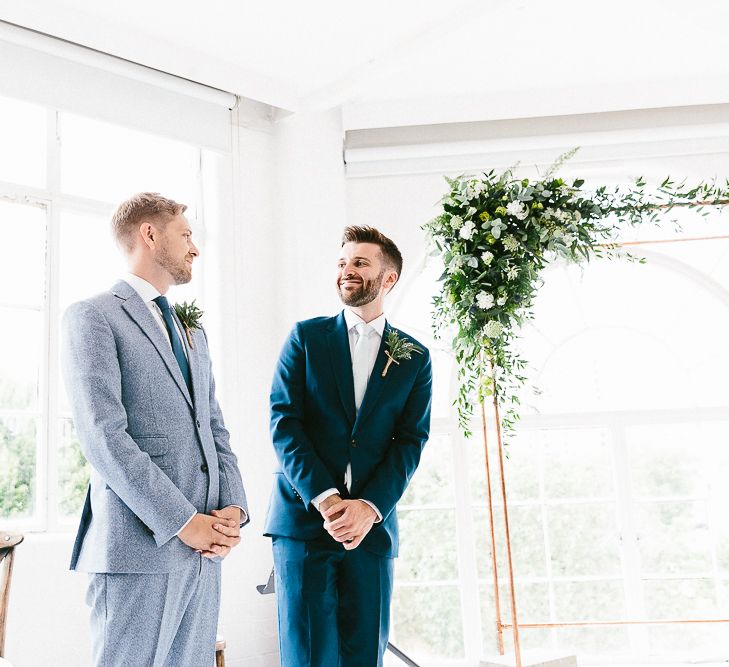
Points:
[(42, 69)]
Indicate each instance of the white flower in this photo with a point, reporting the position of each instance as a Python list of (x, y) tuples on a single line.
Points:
[(512, 272), (487, 257), (485, 300), (467, 230), (473, 189), (456, 222), (493, 329), (501, 300), (472, 262), (517, 209), (510, 243)]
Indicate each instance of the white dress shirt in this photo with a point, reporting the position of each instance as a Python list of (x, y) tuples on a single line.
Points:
[(148, 292), (373, 341)]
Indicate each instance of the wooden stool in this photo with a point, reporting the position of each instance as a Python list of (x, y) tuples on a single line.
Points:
[(219, 651)]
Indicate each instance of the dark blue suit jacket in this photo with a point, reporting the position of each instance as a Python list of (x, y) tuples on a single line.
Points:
[(316, 430)]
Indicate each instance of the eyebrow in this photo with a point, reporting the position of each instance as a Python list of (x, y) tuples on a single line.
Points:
[(366, 259)]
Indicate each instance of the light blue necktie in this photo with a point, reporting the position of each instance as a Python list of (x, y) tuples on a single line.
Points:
[(179, 352)]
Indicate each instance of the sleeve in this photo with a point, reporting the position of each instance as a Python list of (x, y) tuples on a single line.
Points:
[(93, 380), (231, 484), (299, 461), (393, 474)]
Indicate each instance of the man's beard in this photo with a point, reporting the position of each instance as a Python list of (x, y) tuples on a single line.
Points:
[(180, 270), (366, 293)]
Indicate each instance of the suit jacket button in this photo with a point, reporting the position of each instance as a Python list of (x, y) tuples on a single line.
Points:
[(197, 421), (204, 467), (354, 442)]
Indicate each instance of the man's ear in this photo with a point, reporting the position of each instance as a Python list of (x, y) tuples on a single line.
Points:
[(390, 281), (148, 234)]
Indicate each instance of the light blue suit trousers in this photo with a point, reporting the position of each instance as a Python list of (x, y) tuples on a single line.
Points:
[(179, 633)]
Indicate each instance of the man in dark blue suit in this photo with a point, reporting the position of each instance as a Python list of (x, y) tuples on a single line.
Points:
[(348, 427)]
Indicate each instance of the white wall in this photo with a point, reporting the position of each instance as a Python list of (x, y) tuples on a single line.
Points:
[(310, 214)]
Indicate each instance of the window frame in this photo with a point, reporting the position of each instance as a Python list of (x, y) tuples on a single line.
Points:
[(46, 515)]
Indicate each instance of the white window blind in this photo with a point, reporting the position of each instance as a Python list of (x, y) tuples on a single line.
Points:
[(58, 74)]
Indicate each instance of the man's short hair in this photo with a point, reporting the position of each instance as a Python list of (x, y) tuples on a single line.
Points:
[(150, 206), (390, 254)]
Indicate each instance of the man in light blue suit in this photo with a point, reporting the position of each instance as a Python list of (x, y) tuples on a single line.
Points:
[(166, 501), (350, 415)]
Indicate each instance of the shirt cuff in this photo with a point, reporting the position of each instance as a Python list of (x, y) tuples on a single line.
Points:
[(177, 534), (374, 507), (322, 497)]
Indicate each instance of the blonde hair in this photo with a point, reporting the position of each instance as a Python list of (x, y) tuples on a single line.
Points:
[(132, 212)]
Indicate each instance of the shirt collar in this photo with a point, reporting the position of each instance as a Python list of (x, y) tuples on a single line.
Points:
[(352, 320), (146, 290)]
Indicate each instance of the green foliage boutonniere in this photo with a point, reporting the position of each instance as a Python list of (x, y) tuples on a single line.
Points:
[(398, 348), (190, 316)]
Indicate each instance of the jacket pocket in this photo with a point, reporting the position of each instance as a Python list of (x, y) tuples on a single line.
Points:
[(154, 445)]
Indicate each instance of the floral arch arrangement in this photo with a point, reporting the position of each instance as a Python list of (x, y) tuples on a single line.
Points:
[(497, 233)]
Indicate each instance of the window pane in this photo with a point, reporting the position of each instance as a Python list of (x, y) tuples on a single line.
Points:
[(89, 261), (432, 482), (427, 621), (532, 599), (674, 537), (666, 460), (427, 545), (589, 600), (73, 473), (583, 540), (23, 141), (110, 163), (17, 467), (20, 342), (578, 463), (684, 598), (521, 465), (527, 541), (607, 640), (23, 269)]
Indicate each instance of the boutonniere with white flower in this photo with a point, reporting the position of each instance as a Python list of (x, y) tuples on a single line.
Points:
[(190, 316), (398, 349)]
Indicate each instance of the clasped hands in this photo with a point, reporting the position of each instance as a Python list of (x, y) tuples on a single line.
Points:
[(347, 521), (213, 535)]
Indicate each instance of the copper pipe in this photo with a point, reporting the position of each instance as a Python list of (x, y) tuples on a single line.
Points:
[(659, 241), (494, 566), (578, 624), (507, 532), (678, 204)]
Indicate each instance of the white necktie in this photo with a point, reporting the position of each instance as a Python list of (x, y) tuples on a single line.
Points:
[(361, 362)]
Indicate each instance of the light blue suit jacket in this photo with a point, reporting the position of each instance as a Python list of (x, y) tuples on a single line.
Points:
[(157, 453)]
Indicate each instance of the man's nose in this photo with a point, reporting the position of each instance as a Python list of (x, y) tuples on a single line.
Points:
[(193, 250)]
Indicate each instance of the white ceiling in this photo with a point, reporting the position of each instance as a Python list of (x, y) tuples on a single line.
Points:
[(405, 61)]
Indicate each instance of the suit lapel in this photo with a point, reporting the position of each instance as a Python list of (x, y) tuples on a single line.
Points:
[(376, 382), (138, 311), (339, 354)]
